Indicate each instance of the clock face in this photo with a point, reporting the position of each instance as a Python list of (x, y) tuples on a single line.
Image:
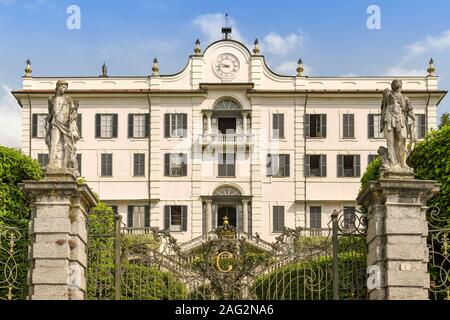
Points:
[(226, 66)]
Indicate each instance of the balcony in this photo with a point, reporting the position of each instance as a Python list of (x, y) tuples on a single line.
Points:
[(226, 139)]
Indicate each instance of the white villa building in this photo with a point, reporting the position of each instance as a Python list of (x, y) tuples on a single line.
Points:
[(225, 136)]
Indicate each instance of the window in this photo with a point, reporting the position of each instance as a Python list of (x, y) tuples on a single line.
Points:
[(138, 217), (315, 217), (278, 165), (106, 170), (278, 219), (175, 125), (43, 159), (175, 218), (79, 160), (38, 125), (374, 126), (278, 126), (349, 126), (139, 165), (371, 157), (349, 217), (349, 165), (175, 164), (106, 125), (227, 165), (315, 125), (421, 126), (115, 209), (315, 165), (138, 126)]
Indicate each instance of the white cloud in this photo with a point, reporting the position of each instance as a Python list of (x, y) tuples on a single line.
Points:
[(429, 44), (279, 45), (290, 68), (10, 120), (415, 59), (211, 25), (400, 71)]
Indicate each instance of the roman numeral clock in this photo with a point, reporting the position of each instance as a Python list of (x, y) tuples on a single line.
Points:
[(226, 66)]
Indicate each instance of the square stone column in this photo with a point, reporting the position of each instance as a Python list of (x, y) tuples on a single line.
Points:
[(58, 229), (397, 237)]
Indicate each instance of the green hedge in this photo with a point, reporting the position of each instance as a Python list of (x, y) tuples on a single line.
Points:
[(313, 279), (15, 167), (140, 280)]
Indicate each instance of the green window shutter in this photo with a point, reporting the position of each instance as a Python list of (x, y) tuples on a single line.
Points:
[(287, 164), (275, 218), (80, 124), (184, 165), (323, 122), (281, 218), (167, 164), (371, 126), (115, 125), (340, 165), (307, 165), (147, 217), (98, 125), (184, 135), (184, 218), (166, 217), (307, 125), (167, 125), (269, 171), (34, 127), (323, 165), (147, 125), (130, 125), (130, 217), (357, 165), (281, 126)]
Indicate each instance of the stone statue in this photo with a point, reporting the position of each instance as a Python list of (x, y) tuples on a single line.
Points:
[(62, 132), (397, 124)]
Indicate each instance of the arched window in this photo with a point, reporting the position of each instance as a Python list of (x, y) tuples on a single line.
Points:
[(227, 192), (227, 105)]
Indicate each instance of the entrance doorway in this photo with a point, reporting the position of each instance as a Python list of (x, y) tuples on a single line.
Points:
[(227, 125), (229, 212)]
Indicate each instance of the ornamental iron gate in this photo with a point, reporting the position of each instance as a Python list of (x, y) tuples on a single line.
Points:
[(226, 264), (14, 241), (439, 251)]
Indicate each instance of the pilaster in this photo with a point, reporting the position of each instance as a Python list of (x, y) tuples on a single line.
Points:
[(57, 254), (397, 237)]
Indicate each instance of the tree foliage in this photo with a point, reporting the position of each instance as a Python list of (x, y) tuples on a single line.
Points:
[(445, 120), (15, 167), (431, 161), (139, 280)]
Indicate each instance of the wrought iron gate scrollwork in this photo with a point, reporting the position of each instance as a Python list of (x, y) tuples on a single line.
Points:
[(439, 253), (223, 264), (13, 259)]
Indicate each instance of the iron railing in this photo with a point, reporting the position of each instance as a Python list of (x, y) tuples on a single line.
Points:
[(14, 241)]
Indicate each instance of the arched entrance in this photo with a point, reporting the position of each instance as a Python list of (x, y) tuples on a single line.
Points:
[(226, 202)]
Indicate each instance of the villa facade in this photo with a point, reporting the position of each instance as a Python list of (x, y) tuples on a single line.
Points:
[(225, 137)]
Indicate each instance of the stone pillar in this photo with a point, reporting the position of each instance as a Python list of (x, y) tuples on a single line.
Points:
[(245, 215), (244, 120), (208, 117), (397, 237), (57, 253), (208, 215)]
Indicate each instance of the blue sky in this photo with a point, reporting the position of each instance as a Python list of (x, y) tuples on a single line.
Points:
[(330, 36)]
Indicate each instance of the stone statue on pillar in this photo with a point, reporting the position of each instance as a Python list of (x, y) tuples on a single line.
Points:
[(398, 125), (62, 132)]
